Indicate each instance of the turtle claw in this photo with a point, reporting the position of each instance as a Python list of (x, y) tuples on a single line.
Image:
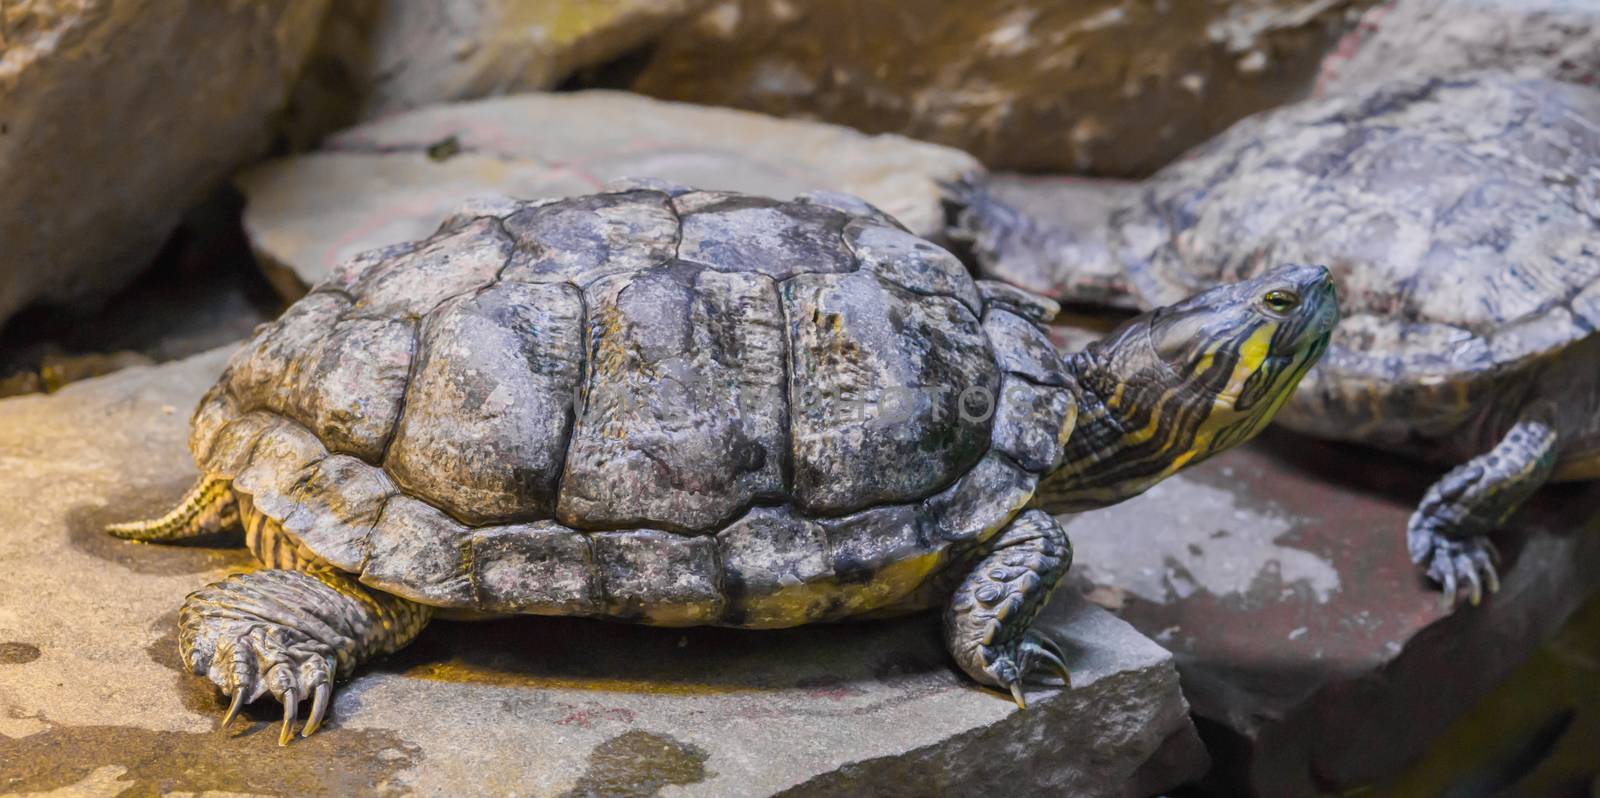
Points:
[(1463, 567), (1039, 648), (251, 657), (233, 708), (319, 705), (1017, 696), (291, 705)]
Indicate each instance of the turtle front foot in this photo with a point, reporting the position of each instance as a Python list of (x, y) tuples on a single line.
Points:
[(251, 635), (1447, 534), (988, 626)]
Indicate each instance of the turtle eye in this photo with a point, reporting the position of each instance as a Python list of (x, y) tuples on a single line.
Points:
[(1280, 301)]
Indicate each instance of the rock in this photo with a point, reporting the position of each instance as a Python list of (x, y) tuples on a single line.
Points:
[(1113, 87), (390, 180), (115, 118), (379, 57), (549, 706), (1320, 661), (1558, 39)]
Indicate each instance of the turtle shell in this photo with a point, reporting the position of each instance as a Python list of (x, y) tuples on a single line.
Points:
[(656, 404), (1460, 219)]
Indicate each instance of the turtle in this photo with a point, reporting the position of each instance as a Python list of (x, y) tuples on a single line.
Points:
[(680, 407), (1461, 221)]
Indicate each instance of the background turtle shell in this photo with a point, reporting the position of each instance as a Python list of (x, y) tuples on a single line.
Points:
[(677, 407), (1460, 218)]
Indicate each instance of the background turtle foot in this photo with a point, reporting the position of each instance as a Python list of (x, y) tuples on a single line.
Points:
[(1456, 564), (1447, 535)]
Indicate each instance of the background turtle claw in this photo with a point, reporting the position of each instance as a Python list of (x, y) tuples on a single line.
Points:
[(1460, 567)]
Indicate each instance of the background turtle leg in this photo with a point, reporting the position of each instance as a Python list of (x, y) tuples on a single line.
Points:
[(988, 625), (290, 633), (1448, 534), (1012, 245)]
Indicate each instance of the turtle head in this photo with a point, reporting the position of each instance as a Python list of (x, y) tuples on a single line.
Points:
[(1174, 386)]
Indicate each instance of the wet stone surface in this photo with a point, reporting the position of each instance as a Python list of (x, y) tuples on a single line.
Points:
[(1316, 658), (93, 700)]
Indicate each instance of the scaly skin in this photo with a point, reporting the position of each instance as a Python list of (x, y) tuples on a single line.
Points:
[(988, 625), (1448, 533), (208, 507), (290, 633)]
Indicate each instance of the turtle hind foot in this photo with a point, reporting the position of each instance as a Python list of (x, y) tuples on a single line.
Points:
[(290, 634), (208, 507), (989, 624)]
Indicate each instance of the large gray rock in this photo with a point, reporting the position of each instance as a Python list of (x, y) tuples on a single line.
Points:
[(93, 700), (116, 117), (378, 57), (1111, 87), (394, 179), (1557, 39), (1277, 573)]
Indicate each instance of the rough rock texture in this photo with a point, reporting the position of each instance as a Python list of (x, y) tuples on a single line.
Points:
[(377, 57), (116, 117), (395, 179), (552, 706), (1317, 657), (1103, 86), (1557, 39)]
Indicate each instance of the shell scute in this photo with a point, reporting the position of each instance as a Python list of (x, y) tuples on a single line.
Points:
[(878, 375), (683, 419), (418, 552), (412, 284), (541, 568), (336, 503), (489, 410), (659, 577), (748, 234), (586, 238)]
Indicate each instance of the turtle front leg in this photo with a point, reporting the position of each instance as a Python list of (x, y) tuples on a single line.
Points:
[(1448, 533), (290, 633), (989, 624)]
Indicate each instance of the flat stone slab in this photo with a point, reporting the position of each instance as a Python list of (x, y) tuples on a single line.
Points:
[(93, 700), (395, 179), (1316, 656)]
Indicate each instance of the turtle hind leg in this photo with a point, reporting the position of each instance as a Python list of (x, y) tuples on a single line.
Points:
[(988, 626), (291, 629), (291, 634), (208, 507), (1448, 533)]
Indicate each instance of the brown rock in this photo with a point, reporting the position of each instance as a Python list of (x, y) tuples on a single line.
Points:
[(378, 57), (1442, 38), (1097, 86), (115, 118), (389, 181), (1322, 662)]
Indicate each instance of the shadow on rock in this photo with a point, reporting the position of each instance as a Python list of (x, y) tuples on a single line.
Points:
[(581, 653), (86, 526)]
